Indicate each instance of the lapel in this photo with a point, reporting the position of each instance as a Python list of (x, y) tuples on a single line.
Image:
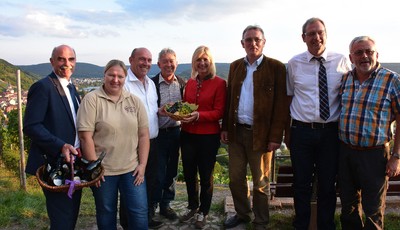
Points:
[(53, 78)]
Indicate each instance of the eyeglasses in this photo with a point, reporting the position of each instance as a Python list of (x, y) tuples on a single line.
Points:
[(368, 52), (251, 40), (313, 33)]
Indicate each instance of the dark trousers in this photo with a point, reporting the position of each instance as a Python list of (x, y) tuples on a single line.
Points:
[(168, 157), (363, 185), (199, 153), (62, 211), (151, 183), (314, 152)]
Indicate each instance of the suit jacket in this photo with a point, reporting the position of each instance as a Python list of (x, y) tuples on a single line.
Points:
[(48, 121), (271, 109)]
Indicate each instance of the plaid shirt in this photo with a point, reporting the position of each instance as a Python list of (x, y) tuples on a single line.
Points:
[(369, 108)]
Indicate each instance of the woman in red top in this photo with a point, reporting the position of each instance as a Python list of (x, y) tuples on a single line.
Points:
[(200, 133)]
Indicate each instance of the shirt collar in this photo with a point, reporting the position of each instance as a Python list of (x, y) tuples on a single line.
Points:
[(310, 56), (257, 62), (64, 82), (161, 79), (132, 76)]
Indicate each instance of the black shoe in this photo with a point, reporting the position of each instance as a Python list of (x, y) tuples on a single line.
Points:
[(154, 224), (168, 213), (233, 221)]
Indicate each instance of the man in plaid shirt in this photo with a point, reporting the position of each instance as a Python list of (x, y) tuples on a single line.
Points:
[(370, 101)]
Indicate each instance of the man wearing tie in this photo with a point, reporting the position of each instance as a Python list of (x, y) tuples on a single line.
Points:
[(50, 122), (313, 80)]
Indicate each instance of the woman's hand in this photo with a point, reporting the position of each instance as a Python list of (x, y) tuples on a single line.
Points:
[(139, 174), (194, 116)]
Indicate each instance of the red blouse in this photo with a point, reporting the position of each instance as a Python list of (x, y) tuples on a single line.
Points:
[(210, 96)]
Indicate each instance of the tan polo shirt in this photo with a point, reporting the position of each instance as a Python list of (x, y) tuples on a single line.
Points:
[(115, 126)]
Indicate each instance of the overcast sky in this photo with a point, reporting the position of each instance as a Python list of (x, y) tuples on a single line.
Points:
[(101, 30)]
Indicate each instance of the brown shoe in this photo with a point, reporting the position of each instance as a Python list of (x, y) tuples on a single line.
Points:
[(200, 220), (188, 215)]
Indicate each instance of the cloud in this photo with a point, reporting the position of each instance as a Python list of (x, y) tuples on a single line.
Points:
[(175, 10), (100, 17), (60, 22)]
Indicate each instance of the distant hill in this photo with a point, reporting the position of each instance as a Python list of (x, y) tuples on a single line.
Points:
[(392, 66), (85, 70), (82, 70), (8, 76)]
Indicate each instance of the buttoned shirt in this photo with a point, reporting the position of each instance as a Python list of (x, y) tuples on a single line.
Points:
[(302, 85), (246, 100), (369, 108), (64, 83), (169, 93), (148, 95)]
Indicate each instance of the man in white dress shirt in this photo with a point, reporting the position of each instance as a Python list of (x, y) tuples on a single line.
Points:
[(139, 84), (313, 137)]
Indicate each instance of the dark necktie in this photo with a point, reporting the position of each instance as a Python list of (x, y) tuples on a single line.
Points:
[(323, 91), (73, 96)]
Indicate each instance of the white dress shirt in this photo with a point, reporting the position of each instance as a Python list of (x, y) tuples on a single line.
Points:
[(148, 95), (246, 100), (302, 85), (64, 83)]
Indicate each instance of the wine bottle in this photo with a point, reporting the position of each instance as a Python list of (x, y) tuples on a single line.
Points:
[(56, 173), (93, 169)]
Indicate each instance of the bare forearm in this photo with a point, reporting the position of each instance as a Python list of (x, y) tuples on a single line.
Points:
[(87, 145), (144, 146)]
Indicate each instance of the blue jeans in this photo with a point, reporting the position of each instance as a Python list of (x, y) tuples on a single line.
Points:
[(106, 199), (168, 157), (314, 151)]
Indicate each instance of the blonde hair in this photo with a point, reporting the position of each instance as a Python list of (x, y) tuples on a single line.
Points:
[(116, 62), (200, 51)]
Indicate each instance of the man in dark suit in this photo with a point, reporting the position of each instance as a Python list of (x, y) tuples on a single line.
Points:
[(50, 122)]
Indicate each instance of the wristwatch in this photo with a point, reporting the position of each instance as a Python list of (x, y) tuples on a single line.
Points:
[(396, 155)]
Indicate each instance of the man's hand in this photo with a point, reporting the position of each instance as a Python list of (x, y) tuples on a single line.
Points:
[(392, 167), (272, 146), (66, 150)]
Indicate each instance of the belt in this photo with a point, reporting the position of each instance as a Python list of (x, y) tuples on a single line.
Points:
[(246, 126), (169, 129), (361, 148), (314, 125)]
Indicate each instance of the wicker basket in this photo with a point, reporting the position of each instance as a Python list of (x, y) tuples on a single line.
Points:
[(64, 188), (177, 117)]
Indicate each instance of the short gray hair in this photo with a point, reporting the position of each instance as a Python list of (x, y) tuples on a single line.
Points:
[(166, 51), (361, 39), (253, 27)]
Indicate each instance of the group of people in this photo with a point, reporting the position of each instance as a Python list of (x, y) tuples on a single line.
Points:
[(339, 130), (334, 119)]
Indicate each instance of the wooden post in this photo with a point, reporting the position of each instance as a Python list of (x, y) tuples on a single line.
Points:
[(21, 135)]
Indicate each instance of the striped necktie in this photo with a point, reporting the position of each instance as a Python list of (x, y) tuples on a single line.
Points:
[(323, 90)]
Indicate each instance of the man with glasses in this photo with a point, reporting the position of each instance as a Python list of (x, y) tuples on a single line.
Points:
[(370, 101), (255, 117), (313, 80)]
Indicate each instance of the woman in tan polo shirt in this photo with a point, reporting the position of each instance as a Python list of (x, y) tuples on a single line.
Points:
[(112, 120)]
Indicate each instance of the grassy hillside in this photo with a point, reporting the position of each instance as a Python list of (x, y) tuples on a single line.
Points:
[(8, 73)]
